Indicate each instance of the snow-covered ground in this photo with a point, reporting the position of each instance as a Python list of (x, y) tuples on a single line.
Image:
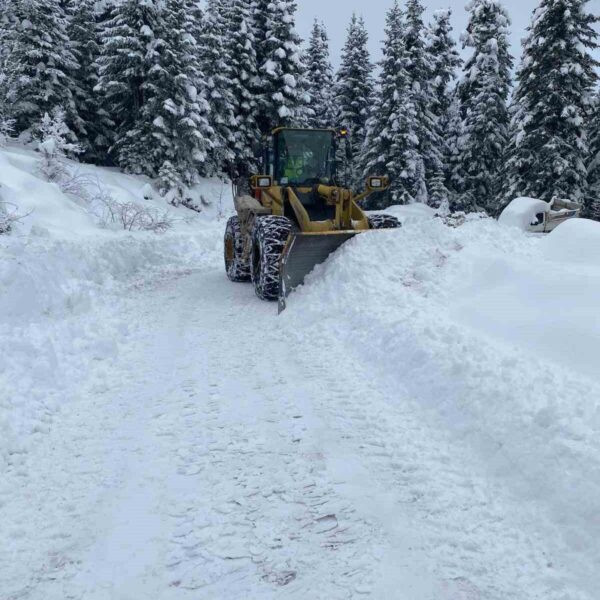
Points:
[(420, 424)]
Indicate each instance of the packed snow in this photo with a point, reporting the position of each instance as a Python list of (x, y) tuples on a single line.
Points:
[(421, 423)]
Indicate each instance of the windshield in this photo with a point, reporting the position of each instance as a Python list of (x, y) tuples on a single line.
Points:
[(305, 157)]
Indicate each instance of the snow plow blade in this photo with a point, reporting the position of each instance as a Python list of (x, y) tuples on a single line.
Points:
[(302, 253)]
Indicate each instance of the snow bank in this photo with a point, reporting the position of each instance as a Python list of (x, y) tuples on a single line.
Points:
[(574, 241), (59, 276), (483, 328), (521, 212)]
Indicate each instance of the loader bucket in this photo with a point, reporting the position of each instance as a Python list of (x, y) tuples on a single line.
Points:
[(302, 253)]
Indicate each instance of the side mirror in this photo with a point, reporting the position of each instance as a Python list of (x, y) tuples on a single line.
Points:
[(261, 182), (378, 184)]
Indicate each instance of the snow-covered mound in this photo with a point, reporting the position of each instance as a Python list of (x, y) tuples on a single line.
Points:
[(60, 264), (484, 327), (574, 241), (521, 212)]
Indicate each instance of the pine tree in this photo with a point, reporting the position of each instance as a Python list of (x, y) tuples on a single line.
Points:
[(35, 38), (593, 191), (391, 145), (455, 181), (215, 50), (153, 87), (95, 125), (419, 67), (483, 92), (319, 77), (354, 93), (282, 97), (549, 151), (174, 126), (129, 42), (244, 71), (444, 60)]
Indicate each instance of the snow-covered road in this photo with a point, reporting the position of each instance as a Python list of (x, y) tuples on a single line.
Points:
[(218, 452)]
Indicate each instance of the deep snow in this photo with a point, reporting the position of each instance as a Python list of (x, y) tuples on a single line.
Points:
[(421, 423)]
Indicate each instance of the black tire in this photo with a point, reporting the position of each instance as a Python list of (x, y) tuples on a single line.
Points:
[(236, 267), (269, 237), (383, 222)]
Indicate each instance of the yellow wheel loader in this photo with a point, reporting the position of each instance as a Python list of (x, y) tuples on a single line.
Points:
[(297, 215)]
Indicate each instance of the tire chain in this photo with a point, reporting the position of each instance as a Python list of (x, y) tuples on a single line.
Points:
[(383, 222), (270, 234), (239, 270)]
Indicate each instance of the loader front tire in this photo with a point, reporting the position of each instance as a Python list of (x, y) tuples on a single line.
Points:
[(269, 237), (383, 222), (236, 267)]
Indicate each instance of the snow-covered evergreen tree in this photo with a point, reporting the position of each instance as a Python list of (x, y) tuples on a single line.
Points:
[(484, 90), (419, 67), (54, 145), (593, 190), (281, 88), (129, 38), (244, 71), (215, 30), (319, 76), (174, 126), (392, 146), (95, 125), (153, 87), (354, 93), (444, 60), (455, 180), (549, 150), (34, 39)]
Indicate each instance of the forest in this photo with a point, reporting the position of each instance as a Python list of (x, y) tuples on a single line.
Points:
[(178, 91)]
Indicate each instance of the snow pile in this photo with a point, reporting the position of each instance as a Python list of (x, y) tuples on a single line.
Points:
[(482, 327), (59, 269), (574, 241), (521, 212)]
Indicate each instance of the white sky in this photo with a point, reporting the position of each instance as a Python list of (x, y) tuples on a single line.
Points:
[(337, 13)]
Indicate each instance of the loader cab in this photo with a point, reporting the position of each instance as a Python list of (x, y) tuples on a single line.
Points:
[(302, 158)]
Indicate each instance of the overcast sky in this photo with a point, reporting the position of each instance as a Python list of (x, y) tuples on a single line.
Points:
[(337, 13)]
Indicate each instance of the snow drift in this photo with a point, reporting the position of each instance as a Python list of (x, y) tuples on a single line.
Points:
[(59, 268), (486, 329)]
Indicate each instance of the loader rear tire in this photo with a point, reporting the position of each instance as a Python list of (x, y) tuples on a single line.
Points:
[(236, 267), (269, 237), (383, 222)]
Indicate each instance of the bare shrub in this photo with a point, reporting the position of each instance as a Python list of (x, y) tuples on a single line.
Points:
[(7, 129), (9, 216), (128, 215)]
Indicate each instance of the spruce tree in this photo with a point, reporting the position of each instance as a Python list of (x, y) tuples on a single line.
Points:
[(391, 146), (319, 76), (153, 87), (549, 150), (483, 92), (244, 71), (130, 38), (35, 38), (95, 125), (419, 67), (592, 208), (214, 32), (174, 126), (444, 60), (281, 89), (354, 93)]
